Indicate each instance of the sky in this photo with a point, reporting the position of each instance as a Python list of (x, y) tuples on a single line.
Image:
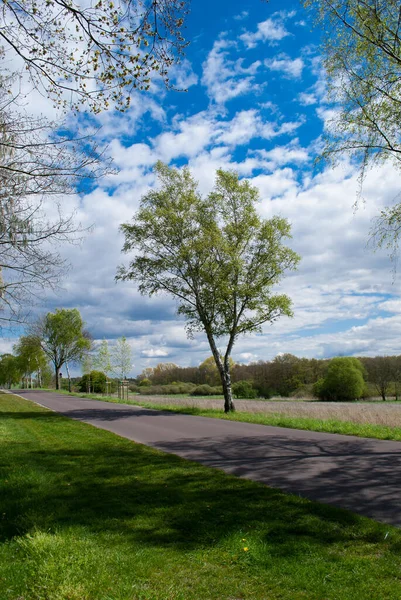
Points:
[(256, 103)]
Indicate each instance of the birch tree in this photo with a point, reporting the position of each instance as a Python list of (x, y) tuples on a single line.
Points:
[(214, 255), (362, 57), (95, 54), (121, 358)]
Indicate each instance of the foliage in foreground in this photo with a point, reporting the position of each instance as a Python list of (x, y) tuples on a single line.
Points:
[(87, 515)]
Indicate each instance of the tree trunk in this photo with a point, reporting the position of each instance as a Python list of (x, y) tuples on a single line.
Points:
[(57, 378), (224, 370), (68, 375), (228, 398)]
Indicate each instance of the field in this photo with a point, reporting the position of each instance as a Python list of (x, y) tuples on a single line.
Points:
[(86, 515), (377, 413)]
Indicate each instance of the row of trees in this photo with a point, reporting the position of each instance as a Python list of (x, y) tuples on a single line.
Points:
[(285, 375), (61, 339)]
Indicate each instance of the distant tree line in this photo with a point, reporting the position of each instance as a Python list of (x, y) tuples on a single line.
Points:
[(285, 375), (54, 342)]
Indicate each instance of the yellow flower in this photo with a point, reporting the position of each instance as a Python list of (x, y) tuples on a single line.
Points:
[(246, 549)]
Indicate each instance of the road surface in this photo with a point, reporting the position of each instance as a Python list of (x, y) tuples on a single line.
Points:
[(363, 475)]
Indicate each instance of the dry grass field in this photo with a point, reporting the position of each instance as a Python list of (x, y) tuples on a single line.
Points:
[(358, 412)]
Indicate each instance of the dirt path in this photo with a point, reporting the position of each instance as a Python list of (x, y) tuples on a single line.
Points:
[(363, 475)]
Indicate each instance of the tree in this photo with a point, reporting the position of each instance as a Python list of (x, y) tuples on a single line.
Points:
[(343, 381), (89, 57), (209, 371), (244, 389), (215, 255), (94, 381), (38, 166), (362, 56), (287, 372), (380, 372), (163, 373), (121, 358), (10, 372), (96, 54), (31, 358), (102, 360), (62, 338)]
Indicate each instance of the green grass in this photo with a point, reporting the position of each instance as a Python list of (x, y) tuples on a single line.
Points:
[(86, 515)]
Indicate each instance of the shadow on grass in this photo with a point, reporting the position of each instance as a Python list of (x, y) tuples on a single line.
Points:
[(84, 478)]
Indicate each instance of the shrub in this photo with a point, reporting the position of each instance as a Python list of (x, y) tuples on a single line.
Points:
[(150, 390), (303, 391), (145, 382), (264, 390), (343, 381), (95, 380), (203, 390), (244, 389), (318, 388)]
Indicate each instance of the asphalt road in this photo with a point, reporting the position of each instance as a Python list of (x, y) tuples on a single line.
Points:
[(363, 475)]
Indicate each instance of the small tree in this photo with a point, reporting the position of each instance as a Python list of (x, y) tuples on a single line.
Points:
[(94, 381), (245, 390), (344, 380), (10, 372), (31, 358), (380, 373), (215, 255), (62, 338), (102, 360), (121, 358)]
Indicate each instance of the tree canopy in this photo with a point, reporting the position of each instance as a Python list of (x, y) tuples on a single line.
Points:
[(62, 338), (121, 358), (362, 58), (93, 54), (214, 255)]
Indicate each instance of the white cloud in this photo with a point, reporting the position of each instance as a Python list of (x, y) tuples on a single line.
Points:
[(194, 134), (225, 78), (307, 99), (154, 353), (291, 68), (241, 16), (182, 75), (282, 155), (271, 30)]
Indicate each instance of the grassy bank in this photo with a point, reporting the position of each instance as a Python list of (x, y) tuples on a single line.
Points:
[(86, 515)]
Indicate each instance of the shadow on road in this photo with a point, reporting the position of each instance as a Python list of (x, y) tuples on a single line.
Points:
[(361, 475)]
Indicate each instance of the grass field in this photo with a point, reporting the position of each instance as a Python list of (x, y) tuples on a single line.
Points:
[(375, 413), (86, 515)]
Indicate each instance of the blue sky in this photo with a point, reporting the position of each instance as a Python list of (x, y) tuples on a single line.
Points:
[(256, 102)]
